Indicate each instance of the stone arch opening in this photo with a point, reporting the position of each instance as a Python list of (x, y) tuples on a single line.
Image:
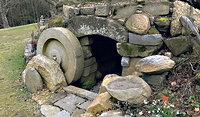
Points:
[(105, 51)]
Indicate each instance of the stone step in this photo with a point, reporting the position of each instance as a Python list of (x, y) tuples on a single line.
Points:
[(81, 92)]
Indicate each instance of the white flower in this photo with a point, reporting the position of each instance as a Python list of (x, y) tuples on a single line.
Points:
[(157, 115), (162, 112), (157, 111), (149, 112), (159, 100), (177, 112), (140, 113), (158, 108), (145, 102), (172, 105), (152, 111), (168, 106)]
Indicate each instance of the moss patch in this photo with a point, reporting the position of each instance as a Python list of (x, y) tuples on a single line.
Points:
[(55, 21), (153, 30), (127, 48), (142, 49), (163, 19)]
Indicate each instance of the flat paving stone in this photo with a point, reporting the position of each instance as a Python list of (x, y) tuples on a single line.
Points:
[(57, 97), (69, 103), (81, 92), (85, 105), (62, 114), (77, 112)]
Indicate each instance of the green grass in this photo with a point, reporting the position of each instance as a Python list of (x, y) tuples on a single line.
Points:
[(12, 44)]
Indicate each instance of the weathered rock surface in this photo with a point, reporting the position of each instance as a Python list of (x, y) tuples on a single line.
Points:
[(130, 50), (69, 103), (87, 115), (57, 97), (157, 79), (85, 105), (77, 112), (125, 61), (49, 70), (86, 41), (131, 89), (155, 64), (108, 78), (62, 114), (163, 24), (33, 80), (102, 10), (90, 69), (89, 61), (180, 9), (101, 103), (86, 82), (81, 92), (87, 52), (91, 25), (120, 12), (49, 110), (196, 16), (131, 69), (87, 10), (155, 39), (157, 9), (112, 113), (42, 97), (178, 45), (138, 23)]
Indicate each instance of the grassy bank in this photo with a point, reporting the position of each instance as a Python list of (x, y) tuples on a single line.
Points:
[(13, 95)]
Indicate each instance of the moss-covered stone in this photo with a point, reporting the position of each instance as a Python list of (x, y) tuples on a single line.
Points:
[(131, 50), (55, 21), (88, 81), (163, 19), (178, 45), (162, 24), (153, 30)]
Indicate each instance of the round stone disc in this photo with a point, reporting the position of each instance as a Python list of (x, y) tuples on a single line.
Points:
[(62, 46)]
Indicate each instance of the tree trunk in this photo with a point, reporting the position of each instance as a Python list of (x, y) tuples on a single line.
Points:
[(5, 20)]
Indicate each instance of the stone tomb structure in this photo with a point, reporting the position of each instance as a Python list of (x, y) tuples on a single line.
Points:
[(120, 38)]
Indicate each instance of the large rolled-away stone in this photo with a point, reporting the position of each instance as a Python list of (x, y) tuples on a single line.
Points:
[(155, 64), (49, 70), (131, 89)]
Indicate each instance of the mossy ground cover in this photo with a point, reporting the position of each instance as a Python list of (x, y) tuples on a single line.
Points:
[(14, 97)]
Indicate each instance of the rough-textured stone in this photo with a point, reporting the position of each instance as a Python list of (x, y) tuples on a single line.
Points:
[(62, 114), (57, 97), (77, 112), (180, 9), (108, 78), (120, 12), (42, 97), (87, 115), (125, 61), (49, 70), (155, 39), (156, 9), (155, 64), (112, 113), (131, 89), (91, 25), (85, 105), (86, 82), (68, 11), (178, 45), (196, 16), (138, 23), (101, 103), (49, 110), (90, 69), (131, 69), (153, 30), (81, 92), (157, 79), (33, 80), (89, 61), (98, 75), (163, 24), (130, 50), (69, 103), (168, 54), (87, 10), (87, 52), (86, 41), (102, 10)]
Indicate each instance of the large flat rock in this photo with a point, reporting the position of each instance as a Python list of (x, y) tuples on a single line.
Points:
[(92, 25)]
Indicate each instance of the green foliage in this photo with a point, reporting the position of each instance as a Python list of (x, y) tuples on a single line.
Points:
[(192, 101), (55, 21), (198, 28)]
